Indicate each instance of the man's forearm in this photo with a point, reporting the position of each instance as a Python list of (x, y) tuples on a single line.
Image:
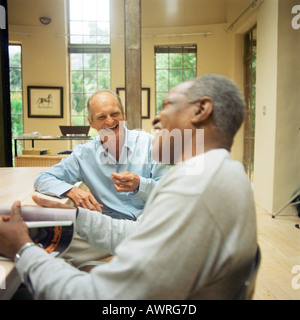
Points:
[(48, 184), (102, 231)]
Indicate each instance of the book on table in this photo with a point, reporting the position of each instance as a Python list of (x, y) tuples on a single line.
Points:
[(53, 228)]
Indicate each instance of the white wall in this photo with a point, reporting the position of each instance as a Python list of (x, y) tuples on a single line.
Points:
[(266, 97), (277, 147)]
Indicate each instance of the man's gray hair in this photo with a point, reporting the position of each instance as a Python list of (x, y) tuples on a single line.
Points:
[(228, 102), (103, 91)]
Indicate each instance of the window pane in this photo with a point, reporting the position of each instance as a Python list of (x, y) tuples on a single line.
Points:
[(102, 28), (89, 10), (175, 77), (16, 102), (89, 61), (16, 124), (189, 74), (159, 99), (103, 80), (77, 121), (189, 60), (76, 9), (76, 39), (103, 13), (90, 28), (15, 56), (77, 104), (77, 81), (76, 61), (103, 60), (161, 61), (175, 60), (15, 79), (162, 80), (85, 100), (76, 28), (90, 81), (103, 40)]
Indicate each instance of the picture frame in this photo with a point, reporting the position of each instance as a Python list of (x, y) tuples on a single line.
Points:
[(45, 102), (145, 111)]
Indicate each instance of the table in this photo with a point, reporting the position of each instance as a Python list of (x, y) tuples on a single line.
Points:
[(16, 184), (62, 138)]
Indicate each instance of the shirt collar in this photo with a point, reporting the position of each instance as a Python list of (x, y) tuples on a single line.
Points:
[(130, 140)]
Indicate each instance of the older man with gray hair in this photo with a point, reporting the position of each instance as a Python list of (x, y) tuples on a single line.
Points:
[(196, 238)]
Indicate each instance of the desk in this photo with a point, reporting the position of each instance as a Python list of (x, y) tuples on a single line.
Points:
[(49, 138), (16, 184)]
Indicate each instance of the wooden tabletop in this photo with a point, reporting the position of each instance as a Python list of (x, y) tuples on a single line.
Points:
[(15, 184)]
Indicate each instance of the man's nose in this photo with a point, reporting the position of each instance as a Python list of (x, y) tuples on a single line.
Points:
[(156, 122), (109, 120)]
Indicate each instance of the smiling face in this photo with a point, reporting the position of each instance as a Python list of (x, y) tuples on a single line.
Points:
[(173, 120), (106, 114)]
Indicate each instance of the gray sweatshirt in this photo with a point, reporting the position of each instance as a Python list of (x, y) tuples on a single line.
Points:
[(196, 239)]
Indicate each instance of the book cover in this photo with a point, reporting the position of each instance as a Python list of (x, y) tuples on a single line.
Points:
[(53, 228)]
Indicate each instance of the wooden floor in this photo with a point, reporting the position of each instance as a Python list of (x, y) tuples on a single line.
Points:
[(279, 242)]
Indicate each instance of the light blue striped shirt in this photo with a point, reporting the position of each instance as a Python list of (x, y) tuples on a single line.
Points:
[(91, 164)]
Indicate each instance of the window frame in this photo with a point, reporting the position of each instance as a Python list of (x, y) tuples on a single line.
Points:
[(85, 48), (173, 49)]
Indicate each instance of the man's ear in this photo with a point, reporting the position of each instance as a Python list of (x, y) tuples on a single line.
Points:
[(91, 123), (202, 110)]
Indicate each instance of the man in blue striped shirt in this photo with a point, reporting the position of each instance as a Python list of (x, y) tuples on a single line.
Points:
[(116, 166)]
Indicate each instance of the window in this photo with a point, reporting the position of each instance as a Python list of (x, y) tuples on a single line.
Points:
[(250, 96), (16, 93), (89, 21), (173, 64), (89, 49)]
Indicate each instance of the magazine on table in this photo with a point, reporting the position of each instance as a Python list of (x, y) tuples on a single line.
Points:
[(53, 228)]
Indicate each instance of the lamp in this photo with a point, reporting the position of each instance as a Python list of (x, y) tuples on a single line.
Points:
[(45, 20)]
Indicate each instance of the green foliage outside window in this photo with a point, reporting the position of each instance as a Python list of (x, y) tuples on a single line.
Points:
[(171, 69), (89, 25), (16, 95), (89, 72)]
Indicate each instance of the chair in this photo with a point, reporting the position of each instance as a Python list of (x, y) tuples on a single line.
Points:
[(249, 285)]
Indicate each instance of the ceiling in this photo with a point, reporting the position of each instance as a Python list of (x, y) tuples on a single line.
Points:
[(155, 13), (172, 13)]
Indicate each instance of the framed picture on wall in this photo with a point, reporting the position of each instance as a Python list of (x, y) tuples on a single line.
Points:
[(45, 102), (145, 112)]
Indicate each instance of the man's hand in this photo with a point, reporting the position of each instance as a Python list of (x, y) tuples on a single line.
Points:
[(83, 199), (13, 232), (49, 203), (126, 181)]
